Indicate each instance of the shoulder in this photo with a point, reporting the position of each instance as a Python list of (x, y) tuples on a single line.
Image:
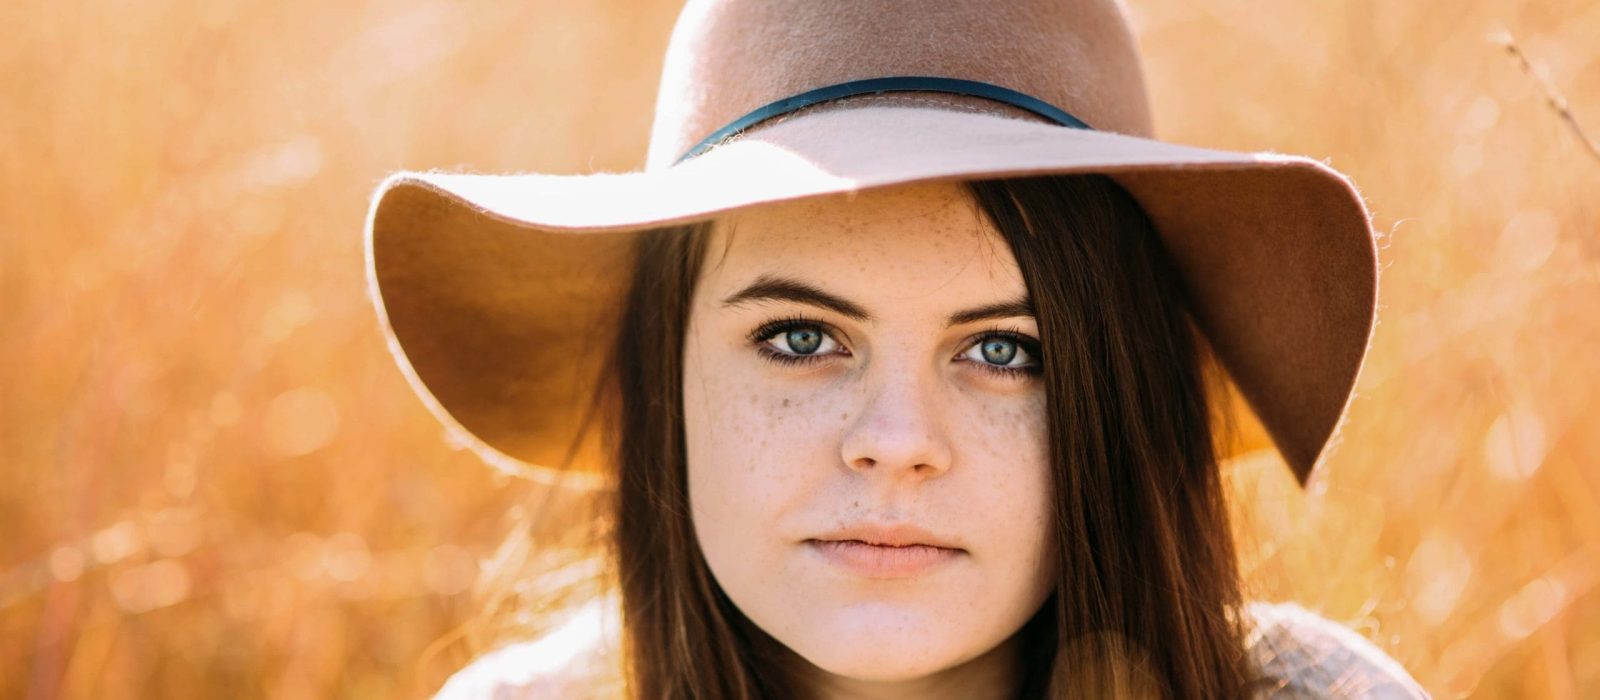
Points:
[(572, 661), (1306, 656)]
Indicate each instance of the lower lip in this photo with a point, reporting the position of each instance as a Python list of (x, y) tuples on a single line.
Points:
[(881, 561)]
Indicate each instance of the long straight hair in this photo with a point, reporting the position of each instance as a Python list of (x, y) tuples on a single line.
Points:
[(1148, 599)]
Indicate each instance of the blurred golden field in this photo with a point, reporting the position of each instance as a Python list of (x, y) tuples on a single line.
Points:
[(214, 482)]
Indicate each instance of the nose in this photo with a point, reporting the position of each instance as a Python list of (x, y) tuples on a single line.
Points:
[(900, 431)]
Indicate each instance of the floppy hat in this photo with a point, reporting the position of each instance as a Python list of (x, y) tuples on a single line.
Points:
[(499, 294)]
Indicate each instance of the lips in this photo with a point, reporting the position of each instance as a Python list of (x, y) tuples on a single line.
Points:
[(879, 551)]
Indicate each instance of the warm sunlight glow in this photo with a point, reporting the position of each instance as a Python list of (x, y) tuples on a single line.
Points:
[(215, 483)]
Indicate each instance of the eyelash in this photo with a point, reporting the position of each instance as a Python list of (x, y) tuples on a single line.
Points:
[(759, 336)]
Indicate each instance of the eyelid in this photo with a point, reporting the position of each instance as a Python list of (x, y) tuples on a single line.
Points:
[(1028, 342)]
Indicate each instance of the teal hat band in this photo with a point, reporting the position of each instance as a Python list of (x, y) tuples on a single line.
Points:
[(873, 86)]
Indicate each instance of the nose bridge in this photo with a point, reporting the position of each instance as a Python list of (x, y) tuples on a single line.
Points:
[(902, 424)]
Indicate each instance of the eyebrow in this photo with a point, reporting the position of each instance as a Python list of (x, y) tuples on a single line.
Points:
[(775, 288)]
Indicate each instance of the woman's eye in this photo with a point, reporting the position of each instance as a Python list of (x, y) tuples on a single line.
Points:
[(802, 340), (1001, 351)]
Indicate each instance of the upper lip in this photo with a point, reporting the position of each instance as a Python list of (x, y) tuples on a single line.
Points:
[(888, 534)]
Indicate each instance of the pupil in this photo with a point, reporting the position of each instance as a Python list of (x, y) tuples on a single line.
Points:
[(804, 340), (999, 351)]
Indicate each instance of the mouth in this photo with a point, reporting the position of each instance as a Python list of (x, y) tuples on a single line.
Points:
[(885, 550), (883, 561)]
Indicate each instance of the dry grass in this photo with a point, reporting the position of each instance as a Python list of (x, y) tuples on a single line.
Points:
[(214, 483), (1552, 96)]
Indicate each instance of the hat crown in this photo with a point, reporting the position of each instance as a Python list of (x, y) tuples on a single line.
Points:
[(729, 57)]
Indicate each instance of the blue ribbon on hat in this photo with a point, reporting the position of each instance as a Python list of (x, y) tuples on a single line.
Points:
[(873, 86)]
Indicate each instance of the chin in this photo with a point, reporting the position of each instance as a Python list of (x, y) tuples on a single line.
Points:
[(888, 645), (879, 665)]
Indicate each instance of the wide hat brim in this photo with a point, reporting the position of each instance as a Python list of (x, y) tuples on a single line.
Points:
[(499, 294)]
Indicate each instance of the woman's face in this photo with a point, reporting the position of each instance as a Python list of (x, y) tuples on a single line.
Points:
[(861, 381)]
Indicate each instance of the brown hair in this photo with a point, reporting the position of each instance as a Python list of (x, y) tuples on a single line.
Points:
[(1148, 598)]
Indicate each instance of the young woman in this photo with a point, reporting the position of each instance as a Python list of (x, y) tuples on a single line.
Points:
[(893, 365)]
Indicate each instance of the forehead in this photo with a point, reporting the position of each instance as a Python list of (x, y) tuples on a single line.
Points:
[(905, 241)]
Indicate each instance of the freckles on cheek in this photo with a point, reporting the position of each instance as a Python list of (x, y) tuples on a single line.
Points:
[(1009, 441), (755, 438), (779, 437), (1010, 429), (1007, 445)]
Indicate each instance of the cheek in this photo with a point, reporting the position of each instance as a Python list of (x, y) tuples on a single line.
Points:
[(753, 449), (1007, 435), (1015, 490)]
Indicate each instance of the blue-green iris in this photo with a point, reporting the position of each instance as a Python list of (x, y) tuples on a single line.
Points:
[(999, 351), (804, 341)]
